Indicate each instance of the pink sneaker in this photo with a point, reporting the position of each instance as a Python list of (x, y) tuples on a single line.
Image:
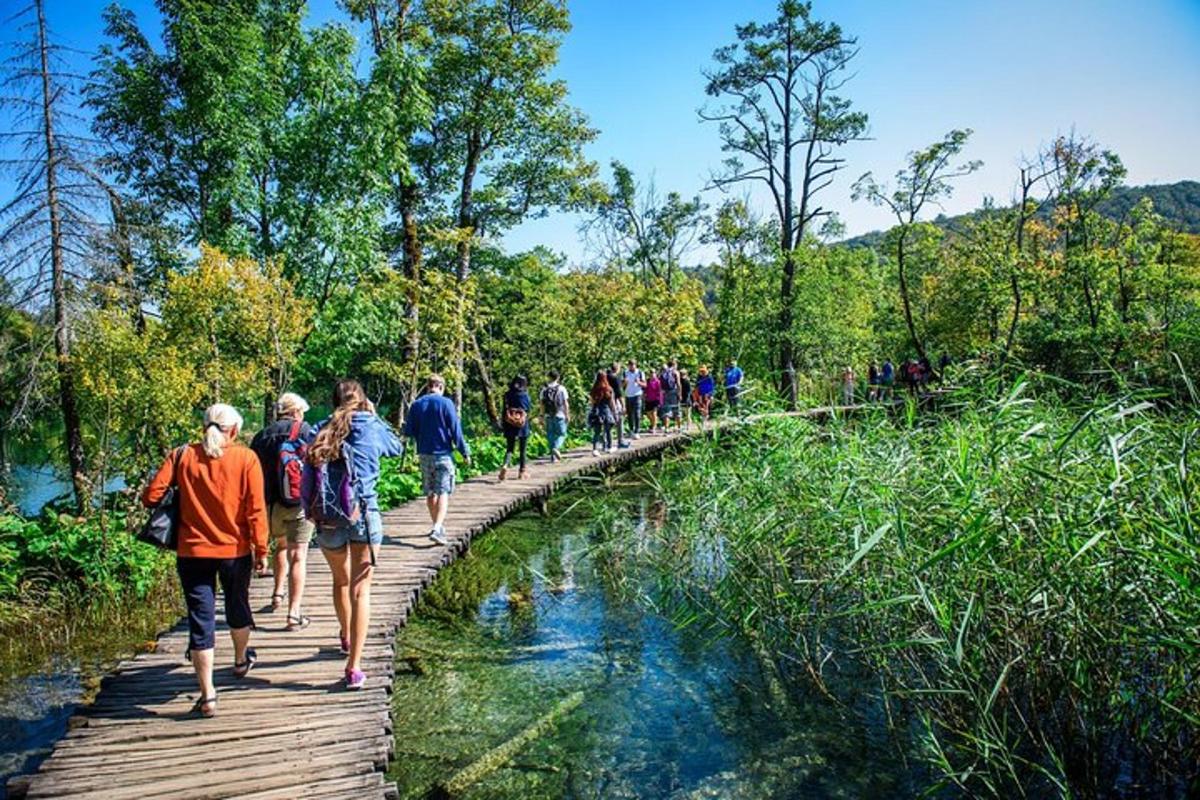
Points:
[(355, 679)]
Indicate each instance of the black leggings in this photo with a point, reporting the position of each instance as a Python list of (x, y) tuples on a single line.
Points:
[(199, 579), (512, 440)]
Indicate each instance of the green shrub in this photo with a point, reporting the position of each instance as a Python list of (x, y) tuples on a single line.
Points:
[(57, 554)]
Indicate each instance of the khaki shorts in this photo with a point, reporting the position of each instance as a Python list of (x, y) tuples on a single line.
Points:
[(288, 522)]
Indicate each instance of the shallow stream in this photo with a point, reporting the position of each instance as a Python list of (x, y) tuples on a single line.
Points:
[(544, 609)]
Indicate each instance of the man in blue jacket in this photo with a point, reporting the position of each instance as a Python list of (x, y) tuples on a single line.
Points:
[(434, 426), (733, 384)]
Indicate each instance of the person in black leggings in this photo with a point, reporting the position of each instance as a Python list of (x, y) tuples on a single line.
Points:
[(515, 423)]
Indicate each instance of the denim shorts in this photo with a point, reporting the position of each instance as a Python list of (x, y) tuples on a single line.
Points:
[(437, 474), (369, 530)]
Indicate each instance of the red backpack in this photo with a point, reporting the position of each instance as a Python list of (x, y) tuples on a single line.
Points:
[(291, 466)]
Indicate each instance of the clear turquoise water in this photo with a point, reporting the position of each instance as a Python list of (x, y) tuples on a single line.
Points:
[(541, 609)]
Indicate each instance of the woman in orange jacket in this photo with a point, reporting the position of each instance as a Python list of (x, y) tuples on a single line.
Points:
[(222, 534)]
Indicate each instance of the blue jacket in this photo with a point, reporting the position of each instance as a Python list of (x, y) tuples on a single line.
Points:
[(434, 425), (371, 439), (733, 376), (705, 385)]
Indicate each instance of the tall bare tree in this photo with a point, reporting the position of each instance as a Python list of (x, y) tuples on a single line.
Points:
[(45, 224), (782, 122)]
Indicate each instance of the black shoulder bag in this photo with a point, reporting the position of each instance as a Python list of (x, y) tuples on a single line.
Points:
[(162, 529)]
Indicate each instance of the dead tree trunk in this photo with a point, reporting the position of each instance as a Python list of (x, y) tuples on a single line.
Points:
[(72, 428)]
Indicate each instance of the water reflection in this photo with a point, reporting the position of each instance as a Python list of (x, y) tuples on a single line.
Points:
[(33, 715)]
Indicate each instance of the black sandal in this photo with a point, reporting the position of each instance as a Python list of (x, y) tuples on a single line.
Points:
[(296, 623), (210, 702), (277, 601), (242, 669)]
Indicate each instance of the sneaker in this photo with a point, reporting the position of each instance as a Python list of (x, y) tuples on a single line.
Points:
[(595, 452), (637, 436), (611, 449), (355, 679), (555, 455), (503, 473), (438, 536), (344, 646), (521, 474), (624, 445)]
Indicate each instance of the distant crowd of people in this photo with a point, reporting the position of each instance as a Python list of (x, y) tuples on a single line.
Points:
[(914, 375), (622, 398), (296, 482)]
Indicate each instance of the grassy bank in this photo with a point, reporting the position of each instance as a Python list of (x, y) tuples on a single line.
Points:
[(78, 589), (1023, 575), (84, 589)]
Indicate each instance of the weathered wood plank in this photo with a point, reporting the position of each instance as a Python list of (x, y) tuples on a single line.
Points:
[(289, 729)]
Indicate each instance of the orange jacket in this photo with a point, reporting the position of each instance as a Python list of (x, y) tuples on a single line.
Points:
[(222, 513)]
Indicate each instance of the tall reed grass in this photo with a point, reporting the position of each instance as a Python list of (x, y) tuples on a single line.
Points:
[(1019, 572)]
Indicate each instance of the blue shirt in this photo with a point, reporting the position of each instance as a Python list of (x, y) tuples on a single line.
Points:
[(371, 439), (706, 385), (733, 376), (434, 425)]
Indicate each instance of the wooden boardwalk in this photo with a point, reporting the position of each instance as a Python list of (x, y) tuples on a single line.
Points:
[(290, 729)]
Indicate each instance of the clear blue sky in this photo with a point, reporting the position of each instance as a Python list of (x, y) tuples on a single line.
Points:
[(1017, 72)]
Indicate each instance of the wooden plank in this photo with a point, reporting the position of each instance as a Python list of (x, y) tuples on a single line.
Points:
[(288, 729)]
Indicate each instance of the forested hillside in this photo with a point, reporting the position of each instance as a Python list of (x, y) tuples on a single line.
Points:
[(1177, 203)]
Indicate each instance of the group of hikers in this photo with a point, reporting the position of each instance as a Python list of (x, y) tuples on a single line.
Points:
[(914, 374), (297, 482), (622, 397)]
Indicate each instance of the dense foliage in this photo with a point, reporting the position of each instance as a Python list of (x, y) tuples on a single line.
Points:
[(267, 205), (1019, 572)]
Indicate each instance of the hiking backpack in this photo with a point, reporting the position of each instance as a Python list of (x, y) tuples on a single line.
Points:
[(668, 378), (331, 492), (550, 400), (290, 469)]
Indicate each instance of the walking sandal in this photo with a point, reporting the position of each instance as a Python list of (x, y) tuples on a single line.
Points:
[(206, 707), (296, 623), (242, 669)]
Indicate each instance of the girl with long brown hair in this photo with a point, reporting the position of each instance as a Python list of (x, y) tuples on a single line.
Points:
[(355, 435), (603, 413)]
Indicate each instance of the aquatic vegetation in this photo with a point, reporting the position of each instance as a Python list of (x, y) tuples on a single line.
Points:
[(582, 691), (1022, 571)]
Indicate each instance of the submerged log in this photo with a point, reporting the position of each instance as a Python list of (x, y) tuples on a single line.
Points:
[(499, 756), (505, 654)]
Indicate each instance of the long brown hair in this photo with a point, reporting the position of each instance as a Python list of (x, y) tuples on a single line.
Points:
[(348, 397), (601, 390)]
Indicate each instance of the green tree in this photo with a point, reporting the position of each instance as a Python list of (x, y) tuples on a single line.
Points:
[(503, 143), (23, 339), (249, 133), (747, 270), (782, 122), (633, 226), (926, 180)]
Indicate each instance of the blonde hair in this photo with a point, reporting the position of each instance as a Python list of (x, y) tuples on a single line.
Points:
[(290, 403), (220, 421), (435, 381)]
